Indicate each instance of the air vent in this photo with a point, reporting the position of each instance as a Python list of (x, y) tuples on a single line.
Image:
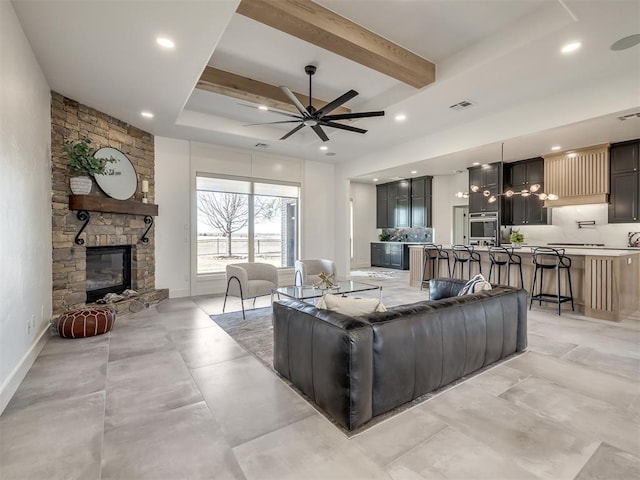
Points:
[(463, 105), (330, 154), (627, 117), (261, 145)]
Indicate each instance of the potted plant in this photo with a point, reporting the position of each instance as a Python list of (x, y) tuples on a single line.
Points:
[(82, 161), (516, 238)]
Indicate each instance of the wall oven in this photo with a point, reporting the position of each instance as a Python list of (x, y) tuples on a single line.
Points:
[(483, 228)]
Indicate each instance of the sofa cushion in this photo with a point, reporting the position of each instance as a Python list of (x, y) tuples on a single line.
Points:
[(350, 306), (476, 285)]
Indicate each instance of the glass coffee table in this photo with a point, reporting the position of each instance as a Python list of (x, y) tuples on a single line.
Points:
[(309, 292)]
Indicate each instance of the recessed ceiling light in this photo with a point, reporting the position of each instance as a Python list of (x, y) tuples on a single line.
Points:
[(571, 47), (485, 165), (375, 179), (555, 147), (146, 114), (324, 147), (165, 42), (263, 107), (413, 172), (572, 154), (401, 117), (475, 164)]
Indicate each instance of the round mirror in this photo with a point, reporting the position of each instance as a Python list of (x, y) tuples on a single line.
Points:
[(119, 180)]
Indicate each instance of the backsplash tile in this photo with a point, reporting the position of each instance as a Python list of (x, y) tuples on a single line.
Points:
[(408, 234)]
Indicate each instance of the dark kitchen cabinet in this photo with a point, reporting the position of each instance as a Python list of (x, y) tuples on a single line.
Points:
[(521, 210), (402, 204), (624, 198), (381, 207), (485, 178), (421, 202), (390, 255)]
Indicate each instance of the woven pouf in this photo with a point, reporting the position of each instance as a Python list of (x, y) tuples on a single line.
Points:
[(85, 322)]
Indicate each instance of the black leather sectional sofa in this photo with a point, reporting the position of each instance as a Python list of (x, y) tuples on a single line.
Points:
[(355, 368)]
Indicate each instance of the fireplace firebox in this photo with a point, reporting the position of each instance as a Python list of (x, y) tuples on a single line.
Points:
[(108, 271)]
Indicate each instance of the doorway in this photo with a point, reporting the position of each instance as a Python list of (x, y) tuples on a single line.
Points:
[(460, 225)]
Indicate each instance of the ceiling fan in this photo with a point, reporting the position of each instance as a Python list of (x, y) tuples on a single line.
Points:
[(316, 119)]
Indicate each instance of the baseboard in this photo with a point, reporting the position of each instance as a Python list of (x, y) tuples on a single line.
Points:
[(14, 380), (178, 293)]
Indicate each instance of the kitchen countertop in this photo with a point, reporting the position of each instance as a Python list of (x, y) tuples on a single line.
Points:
[(403, 243), (580, 251)]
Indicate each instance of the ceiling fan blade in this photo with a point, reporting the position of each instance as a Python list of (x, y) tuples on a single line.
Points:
[(329, 107), (272, 110), (270, 123), (342, 127), (292, 132), (320, 133), (293, 99), (347, 116)]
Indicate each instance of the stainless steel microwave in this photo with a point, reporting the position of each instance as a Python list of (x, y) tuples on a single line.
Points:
[(483, 226)]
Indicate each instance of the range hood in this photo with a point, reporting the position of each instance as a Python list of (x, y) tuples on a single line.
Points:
[(578, 177)]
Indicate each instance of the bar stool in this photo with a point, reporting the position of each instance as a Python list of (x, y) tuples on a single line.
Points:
[(546, 258), (433, 254), (462, 255), (500, 257)]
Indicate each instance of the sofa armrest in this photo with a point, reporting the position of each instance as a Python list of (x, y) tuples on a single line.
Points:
[(444, 287), (328, 356)]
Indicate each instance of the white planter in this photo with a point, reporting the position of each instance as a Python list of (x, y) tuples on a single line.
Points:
[(80, 185)]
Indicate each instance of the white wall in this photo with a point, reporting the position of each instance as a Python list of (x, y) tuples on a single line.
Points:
[(25, 194), (444, 189), (565, 229), (178, 161), (364, 223), (173, 224), (317, 224)]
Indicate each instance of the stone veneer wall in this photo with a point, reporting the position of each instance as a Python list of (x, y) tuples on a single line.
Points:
[(69, 121)]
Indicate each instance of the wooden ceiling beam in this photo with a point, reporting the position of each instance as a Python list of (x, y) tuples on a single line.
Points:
[(252, 91), (319, 26)]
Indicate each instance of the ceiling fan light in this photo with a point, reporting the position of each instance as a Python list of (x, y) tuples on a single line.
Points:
[(542, 196), (535, 187), (492, 199), (552, 196), (486, 193), (525, 193), (509, 193), (474, 188)]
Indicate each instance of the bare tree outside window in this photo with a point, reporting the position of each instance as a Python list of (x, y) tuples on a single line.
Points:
[(229, 212)]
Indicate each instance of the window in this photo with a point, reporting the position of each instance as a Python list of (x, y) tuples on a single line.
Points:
[(245, 221)]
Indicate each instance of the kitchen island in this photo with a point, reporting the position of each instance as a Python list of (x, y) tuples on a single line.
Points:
[(606, 282)]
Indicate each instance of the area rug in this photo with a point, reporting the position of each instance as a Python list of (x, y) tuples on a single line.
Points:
[(355, 274), (255, 334)]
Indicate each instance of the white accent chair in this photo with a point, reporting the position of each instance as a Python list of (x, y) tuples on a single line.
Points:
[(307, 271), (250, 280)]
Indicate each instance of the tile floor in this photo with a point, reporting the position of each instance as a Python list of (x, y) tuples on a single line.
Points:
[(168, 395)]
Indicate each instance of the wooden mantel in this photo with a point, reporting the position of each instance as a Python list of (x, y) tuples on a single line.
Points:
[(94, 203)]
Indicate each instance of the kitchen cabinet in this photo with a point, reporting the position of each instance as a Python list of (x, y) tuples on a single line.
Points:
[(390, 255), (402, 204), (624, 198), (421, 202), (521, 210), (485, 178), (381, 206)]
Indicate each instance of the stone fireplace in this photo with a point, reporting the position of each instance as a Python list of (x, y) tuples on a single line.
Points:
[(69, 121)]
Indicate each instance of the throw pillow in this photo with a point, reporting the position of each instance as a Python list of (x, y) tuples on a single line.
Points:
[(475, 285), (350, 306)]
